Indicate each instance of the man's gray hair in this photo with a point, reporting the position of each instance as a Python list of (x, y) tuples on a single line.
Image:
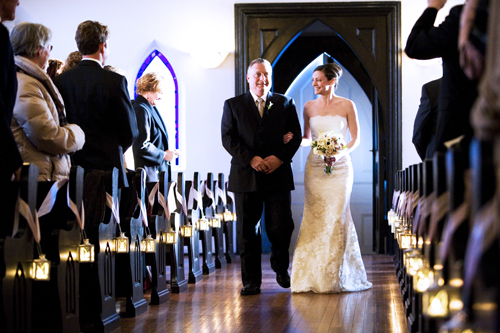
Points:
[(27, 37), (261, 61)]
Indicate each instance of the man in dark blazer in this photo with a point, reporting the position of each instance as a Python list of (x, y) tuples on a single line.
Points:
[(10, 159), (457, 92), (261, 174), (424, 127), (151, 147), (98, 101)]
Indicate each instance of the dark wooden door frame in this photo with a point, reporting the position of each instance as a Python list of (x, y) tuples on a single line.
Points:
[(372, 30)]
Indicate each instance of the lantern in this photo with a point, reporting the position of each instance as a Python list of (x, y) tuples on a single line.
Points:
[(215, 222), (187, 230), (442, 301), (203, 224), (121, 243), (228, 216), (86, 251), (148, 244), (234, 216), (405, 240), (423, 279), (171, 237), (40, 269)]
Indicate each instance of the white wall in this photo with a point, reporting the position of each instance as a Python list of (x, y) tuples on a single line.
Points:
[(177, 27)]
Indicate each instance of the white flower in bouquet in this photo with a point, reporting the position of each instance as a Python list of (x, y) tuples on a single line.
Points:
[(328, 144)]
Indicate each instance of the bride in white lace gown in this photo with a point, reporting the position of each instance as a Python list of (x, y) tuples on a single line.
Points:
[(327, 258)]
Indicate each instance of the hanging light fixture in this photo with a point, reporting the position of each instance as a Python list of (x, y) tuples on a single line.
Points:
[(148, 244), (203, 224), (40, 269), (171, 237), (86, 251), (187, 230), (121, 243)]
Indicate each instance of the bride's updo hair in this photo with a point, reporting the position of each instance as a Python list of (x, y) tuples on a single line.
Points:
[(331, 71)]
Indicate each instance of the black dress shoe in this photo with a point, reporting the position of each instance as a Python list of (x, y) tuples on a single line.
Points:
[(283, 280), (250, 289)]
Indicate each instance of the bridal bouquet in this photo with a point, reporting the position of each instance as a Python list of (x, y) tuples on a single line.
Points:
[(326, 145)]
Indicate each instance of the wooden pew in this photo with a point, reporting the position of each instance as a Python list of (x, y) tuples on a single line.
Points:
[(16, 250), (130, 266), (218, 233), (193, 243), (56, 301), (178, 281), (97, 280), (159, 225)]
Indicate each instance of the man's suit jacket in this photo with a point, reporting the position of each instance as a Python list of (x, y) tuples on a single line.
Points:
[(457, 91), (245, 135), (10, 159), (98, 101), (149, 147), (424, 127)]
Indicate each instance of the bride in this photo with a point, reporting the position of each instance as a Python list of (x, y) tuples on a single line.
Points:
[(327, 258)]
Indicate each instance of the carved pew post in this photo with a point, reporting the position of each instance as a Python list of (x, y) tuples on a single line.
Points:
[(193, 243), (159, 225), (207, 207), (17, 249), (218, 233), (229, 227), (97, 280), (178, 282), (129, 266)]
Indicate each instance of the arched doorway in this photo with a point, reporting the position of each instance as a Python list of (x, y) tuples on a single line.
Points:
[(371, 31)]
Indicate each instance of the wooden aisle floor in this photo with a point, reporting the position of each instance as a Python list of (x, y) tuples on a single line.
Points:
[(215, 305)]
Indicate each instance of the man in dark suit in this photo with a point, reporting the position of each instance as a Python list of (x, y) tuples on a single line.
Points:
[(98, 101), (10, 159), (253, 125), (457, 92), (424, 127)]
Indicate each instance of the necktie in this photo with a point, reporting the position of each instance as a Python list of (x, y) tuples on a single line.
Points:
[(260, 106)]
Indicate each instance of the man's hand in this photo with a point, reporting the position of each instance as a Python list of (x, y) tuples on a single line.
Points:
[(438, 4), (287, 137), (274, 163), (170, 155), (259, 164)]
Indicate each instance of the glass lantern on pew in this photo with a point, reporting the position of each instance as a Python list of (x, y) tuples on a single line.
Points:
[(187, 230), (203, 224), (215, 222), (86, 252), (121, 243), (148, 244), (441, 301), (423, 278), (391, 217), (228, 216), (171, 236), (40, 268)]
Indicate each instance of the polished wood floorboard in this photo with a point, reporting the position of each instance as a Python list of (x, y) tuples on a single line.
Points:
[(215, 305)]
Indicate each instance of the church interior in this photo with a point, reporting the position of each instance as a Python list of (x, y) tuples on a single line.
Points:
[(162, 256)]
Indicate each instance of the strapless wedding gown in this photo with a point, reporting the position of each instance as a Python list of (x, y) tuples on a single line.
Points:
[(327, 258)]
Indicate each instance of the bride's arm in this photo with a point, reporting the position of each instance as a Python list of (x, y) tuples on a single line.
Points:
[(353, 126), (306, 139)]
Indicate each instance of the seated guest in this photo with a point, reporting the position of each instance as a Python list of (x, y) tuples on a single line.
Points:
[(98, 101), (73, 59), (54, 68), (424, 127), (39, 124), (151, 147), (114, 69)]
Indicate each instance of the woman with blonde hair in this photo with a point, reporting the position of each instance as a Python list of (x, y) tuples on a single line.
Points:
[(151, 147), (39, 124)]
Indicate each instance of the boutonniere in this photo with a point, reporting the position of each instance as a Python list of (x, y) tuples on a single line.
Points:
[(269, 106)]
